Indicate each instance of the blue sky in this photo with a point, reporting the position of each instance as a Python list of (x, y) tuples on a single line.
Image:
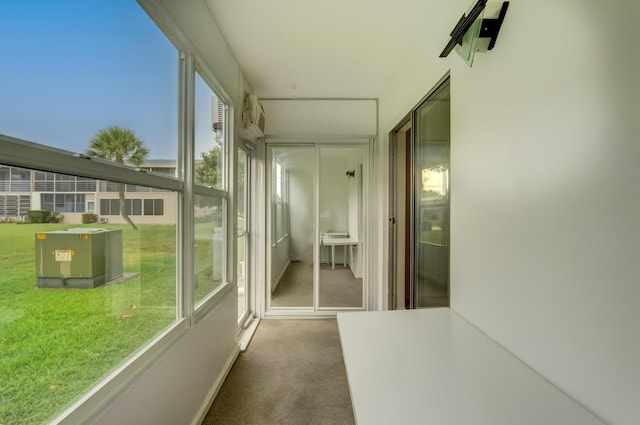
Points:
[(71, 68)]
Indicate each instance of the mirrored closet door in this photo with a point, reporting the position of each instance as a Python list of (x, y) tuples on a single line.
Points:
[(292, 207), (316, 215), (340, 227)]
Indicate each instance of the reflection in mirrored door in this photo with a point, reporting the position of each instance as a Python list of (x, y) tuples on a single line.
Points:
[(242, 233), (292, 207), (431, 201), (340, 219)]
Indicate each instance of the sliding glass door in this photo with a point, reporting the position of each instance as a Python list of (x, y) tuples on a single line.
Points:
[(316, 216), (292, 207), (340, 226), (431, 200)]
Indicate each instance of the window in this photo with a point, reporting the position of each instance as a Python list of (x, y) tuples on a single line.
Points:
[(153, 207), (210, 247), (44, 182), (14, 206), (13, 179), (63, 202), (83, 68), (280, 201), (210, 149), (96, 326), (85, 185), (135, 206), (64, 183), (210, 189)]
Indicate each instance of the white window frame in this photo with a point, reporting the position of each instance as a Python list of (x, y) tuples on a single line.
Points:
[(24, 154)]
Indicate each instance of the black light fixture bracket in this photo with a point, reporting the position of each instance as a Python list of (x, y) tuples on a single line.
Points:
[(489, 29)]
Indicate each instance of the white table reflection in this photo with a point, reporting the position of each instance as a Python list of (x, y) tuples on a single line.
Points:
[(333, 239)]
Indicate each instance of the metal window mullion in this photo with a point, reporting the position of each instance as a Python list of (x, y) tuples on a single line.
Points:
[(209, 191), (186, 288), (20, 153)]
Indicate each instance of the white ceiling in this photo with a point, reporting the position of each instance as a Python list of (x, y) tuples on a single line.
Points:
[(329, 48)]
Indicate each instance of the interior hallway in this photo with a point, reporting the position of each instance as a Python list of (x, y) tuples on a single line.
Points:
[(292, 373)]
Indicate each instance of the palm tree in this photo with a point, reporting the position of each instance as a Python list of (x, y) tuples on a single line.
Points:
[(122, 146)]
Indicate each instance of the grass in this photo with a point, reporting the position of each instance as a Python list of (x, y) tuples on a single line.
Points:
[(208, 275), (55, 344)]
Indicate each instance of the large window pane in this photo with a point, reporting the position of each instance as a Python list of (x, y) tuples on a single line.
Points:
[(341, 281), (242, 224), (292, 257), (242, 227), (84, 67), (210, 245), (431, 201), (13, 179), (209, 138), (83, 70), (96, 297)]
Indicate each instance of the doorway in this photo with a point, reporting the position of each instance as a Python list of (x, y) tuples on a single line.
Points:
[(316, 217), (420, 209)]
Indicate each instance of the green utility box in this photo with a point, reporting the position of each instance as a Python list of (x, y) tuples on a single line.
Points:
[(78, 258)]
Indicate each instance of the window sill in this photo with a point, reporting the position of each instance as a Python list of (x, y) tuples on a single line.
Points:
[(208, 303), (92, 404)]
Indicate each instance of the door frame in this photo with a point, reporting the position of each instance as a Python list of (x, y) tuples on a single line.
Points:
[(249, 269), (392, 212), (267, 310)]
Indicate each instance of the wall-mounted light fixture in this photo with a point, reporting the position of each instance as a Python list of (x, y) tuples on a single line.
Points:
[(474, 32), (351, 173)]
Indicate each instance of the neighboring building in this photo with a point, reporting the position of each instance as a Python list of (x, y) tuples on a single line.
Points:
[(22, 190)]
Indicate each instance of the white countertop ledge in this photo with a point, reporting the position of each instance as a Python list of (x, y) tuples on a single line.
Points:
[(430, 366)]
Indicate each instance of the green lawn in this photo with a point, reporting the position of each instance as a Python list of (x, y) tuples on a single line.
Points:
[(55, 344)]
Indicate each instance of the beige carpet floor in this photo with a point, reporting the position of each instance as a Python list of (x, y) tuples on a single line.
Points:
[(338, 287), (292, 373)]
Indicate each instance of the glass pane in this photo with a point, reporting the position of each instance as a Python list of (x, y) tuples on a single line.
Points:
[(242, 275), (210, 253), (467, 49), (209, 137), (431, 214), (14, 179), (242, 228), (340, 210), (69, 317), (96, 79), (242, 191), (292, 255)]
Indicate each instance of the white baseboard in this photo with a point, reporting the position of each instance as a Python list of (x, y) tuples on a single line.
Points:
[(284, 269), (215, 388), (247, 334)]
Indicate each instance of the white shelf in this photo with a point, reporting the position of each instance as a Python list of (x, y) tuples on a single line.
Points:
[(430, 366)]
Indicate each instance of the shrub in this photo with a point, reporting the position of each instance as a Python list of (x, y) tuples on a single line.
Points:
[(39, 216), (56, 217), (88, 218)]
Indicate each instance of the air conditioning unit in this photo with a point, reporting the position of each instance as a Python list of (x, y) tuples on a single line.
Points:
[(217, 115), (253, 116)]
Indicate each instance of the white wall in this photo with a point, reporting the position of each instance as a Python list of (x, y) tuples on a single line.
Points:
[(301, 204), (325, 118), (280, 260), (177, 387), (334, 190), (545, 195)]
